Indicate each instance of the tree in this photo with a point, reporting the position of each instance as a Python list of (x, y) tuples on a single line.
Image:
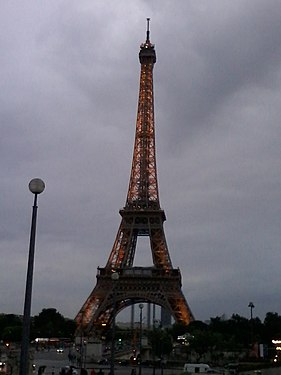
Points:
[(161, 342), (50, 323), (272, 326), (10, 327), (12, 333), (178, 329)]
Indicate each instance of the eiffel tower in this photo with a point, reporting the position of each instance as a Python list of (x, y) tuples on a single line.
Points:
[(141, 216)]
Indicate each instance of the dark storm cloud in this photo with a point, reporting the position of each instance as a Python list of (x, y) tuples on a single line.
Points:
[(69, 78), (223, 54)]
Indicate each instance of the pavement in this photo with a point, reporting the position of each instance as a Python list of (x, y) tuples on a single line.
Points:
[(55, 361), (52, 360)]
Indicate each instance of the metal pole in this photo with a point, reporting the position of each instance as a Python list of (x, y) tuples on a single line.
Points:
[(140, 358), (36, 186), (28, 293), (251, 305), (114, 277), (81, 352), (113, 339)]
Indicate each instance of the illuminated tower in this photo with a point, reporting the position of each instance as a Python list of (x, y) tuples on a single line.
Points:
[(159, 284)]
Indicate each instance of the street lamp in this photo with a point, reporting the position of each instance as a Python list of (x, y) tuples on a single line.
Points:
[(36, 186), (251, 305), (140, 359), (156, 325), (114, 278)]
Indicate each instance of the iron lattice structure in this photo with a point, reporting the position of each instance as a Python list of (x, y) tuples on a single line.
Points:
[(141, 216)]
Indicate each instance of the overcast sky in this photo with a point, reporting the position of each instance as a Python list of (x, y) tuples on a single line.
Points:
[(69, 89)]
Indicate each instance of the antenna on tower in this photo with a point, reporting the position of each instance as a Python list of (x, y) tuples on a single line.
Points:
[(147, 30)]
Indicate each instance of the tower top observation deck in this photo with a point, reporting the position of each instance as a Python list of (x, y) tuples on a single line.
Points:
[(147, 52)]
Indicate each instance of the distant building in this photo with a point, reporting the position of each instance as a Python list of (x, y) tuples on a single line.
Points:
[(166, 318)]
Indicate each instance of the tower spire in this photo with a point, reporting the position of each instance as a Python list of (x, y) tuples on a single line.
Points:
[(147, 31)]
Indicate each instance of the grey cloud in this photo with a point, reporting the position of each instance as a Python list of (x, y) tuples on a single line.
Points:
[(69, 77)]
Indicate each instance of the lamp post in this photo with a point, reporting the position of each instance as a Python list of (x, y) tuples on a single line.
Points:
[(36, 186), (252, 306), (156, 324), (140, 359), (114, 278)]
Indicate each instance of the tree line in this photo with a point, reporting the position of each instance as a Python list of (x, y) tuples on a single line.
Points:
[(48, 323), (219, 334)]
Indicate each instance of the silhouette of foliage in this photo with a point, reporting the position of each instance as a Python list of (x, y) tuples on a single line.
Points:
[(10, 327), (50, 323), (161, 342), (220, 334)]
